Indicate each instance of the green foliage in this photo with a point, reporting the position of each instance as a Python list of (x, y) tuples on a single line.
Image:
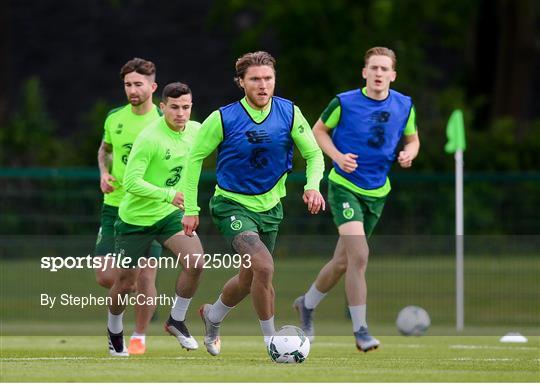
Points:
[(529, 155), (498, 148), (89, 139), (320, 44), (319, 47), (30, 137)]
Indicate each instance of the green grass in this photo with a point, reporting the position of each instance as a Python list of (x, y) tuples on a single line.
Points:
[(332, 359), (501, 294)]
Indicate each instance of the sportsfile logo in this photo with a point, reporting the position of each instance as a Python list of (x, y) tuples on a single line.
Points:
[(121, 261), (109, 261)]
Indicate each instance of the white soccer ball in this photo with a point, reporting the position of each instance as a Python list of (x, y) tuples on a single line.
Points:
[(289, 345), (413, 321)]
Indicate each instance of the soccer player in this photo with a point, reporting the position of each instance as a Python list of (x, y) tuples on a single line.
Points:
[(254, 137), (152, 210), (122, 126), (367, 125)]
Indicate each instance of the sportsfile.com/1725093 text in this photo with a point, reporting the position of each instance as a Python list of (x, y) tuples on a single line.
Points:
[(111, 260)]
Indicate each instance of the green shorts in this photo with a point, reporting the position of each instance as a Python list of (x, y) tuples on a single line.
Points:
[(105, 238), (348, 206), (232, 219), (132, 241)]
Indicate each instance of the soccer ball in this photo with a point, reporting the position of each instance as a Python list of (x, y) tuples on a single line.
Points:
[(288, 345), (413, 321)]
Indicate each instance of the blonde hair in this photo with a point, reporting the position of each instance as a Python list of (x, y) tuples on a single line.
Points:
[(380, 51)]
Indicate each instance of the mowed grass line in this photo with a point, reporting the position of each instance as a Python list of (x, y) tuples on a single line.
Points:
[(332, 359)]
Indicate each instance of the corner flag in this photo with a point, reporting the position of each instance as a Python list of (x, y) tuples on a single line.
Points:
[(455, 131)]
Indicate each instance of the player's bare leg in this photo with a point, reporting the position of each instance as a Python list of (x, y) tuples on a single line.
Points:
[(327, 278), (238, 287), (105, 275), (124, 284), (332, 272), (357, 250), (234, 291), (146, 284), (255, 279), (189, 251), (262, 267)]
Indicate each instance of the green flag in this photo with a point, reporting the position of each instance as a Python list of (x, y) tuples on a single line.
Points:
[(455, 131)]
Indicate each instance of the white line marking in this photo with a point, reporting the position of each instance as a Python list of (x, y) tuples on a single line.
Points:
[(492, 347), (92, 358), (411, 346), (485, 359)]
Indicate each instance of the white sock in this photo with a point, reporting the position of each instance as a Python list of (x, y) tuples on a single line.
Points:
[(139, 336), (114, 322), (218, 311), (268, 329), (179, 309), (313, 297), (358, 316)]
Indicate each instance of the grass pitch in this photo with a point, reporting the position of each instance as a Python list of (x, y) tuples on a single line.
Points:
[(502, 295), (332, 359)]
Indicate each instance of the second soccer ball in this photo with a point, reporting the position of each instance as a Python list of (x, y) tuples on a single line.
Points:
[(413, 321)]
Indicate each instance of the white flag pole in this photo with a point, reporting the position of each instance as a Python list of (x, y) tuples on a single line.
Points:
[(460, 304)]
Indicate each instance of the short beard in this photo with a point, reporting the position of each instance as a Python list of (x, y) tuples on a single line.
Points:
[(139, 103), (255, 104)]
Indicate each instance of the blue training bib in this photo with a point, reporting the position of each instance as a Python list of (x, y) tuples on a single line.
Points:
[(372, 130), (253, 157)]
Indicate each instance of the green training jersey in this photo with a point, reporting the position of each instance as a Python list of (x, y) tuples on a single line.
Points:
[(330, 117), (211, 136), (121, 128), (153, 172)]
